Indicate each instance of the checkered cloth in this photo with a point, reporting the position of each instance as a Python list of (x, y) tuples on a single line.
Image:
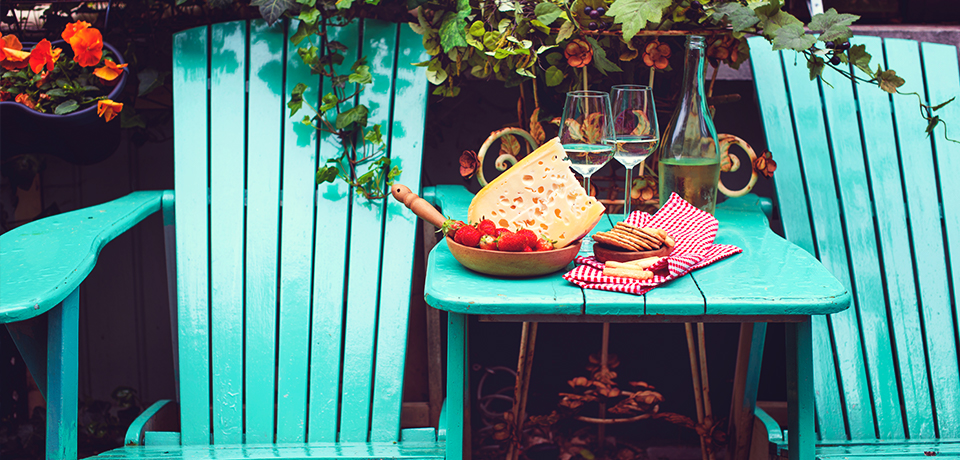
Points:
[(692, 229)]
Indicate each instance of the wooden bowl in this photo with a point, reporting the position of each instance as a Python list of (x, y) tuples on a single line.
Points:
[(513, 264), (604, 252)]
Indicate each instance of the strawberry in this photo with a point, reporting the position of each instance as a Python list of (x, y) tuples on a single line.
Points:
[(527, 249), (450, 227), (512, 242), (487, 227), (544, 245), (529, 237), (500, 231), (468, 236), (488, 242)]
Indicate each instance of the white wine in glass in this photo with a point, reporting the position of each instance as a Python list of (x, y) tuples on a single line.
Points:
[(586, 132), (636, 133)]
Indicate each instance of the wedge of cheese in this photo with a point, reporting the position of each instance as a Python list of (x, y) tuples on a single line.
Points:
[(542, 194)]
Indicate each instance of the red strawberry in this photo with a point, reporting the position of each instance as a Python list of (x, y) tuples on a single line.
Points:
[(529, 237), (512, 242), (450, 227), (488, 242), (544, 245), (487, 227), (500, 231), (468, 236), (527, 249)]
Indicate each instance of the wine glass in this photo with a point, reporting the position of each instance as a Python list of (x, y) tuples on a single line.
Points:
[(636, 133), (587, 132)]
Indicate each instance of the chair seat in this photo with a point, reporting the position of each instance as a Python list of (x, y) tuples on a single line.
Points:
[(922, 448), (313, 451)]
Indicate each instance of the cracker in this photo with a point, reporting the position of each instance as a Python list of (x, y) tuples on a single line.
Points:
[(614, 240), (634, 273)]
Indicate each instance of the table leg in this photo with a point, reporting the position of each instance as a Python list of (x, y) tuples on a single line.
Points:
[(63, 362), (745, 383), (456, 384), (800, 411)]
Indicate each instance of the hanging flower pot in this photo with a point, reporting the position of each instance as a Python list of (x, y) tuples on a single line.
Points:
[(61, 105)]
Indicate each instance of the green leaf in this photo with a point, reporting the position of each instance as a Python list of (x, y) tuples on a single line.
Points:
[(150, 79), (344, 4), (858, 56), (554, 58), (547, 12), (296, 98), (741, 17), (329, 101), (834, 27), (57, 92), (309, 55), (326, 174), (453, 28), (304, 30), (932, 122), (356, 115), (888, 80), (490, 40), (793, 37), (309, 3), (271, 10), (361, 75), (129, 118), (66, 107), (476, 29), (373, 135), (600, 60), (634, 14), (436, 77), (309, 15), (816, 65), (566, 31), (772, 18)]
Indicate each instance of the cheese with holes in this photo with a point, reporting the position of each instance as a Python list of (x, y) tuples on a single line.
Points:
[(539, 193)]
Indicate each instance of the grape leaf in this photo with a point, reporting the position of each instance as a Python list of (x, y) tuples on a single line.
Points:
[(858, 56), (271, 10), (554, 76), (600, 60), (772, 18), (832, 25), (741, 17), (940, 106), (634, 14), (566, 31), (547, 12), (816, 65), (932, 122), (888, 80), (792, 36)]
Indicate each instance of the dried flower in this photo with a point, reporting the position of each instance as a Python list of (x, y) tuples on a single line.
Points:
[(468, 163), (578, 53), (656, 54), (765, 165)]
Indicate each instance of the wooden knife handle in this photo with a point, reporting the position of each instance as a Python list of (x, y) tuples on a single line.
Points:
[(419, 206)]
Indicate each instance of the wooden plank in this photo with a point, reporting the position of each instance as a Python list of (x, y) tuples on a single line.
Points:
[(861, 243), (366, 238), (265, 106), (457, 385), (329, 274), (296, 254), (406, 130), (227, 104), (828, 235), (348, 451), (943, 83), (886, 186), (190, 49), (801, 438), (923, 212), (63, 342)]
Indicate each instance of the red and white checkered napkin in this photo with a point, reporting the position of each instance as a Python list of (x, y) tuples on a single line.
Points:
[(692, 229)]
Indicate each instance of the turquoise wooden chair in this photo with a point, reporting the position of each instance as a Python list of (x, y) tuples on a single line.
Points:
[(291, 298), (862, 187)]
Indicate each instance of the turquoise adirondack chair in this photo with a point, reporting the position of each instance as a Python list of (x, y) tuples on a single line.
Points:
[(292, 298), (862, 187)]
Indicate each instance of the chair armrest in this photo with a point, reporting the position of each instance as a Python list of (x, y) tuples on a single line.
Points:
[(442, 423), (454, 200), (160, 416), (770, 426), (45, 260)]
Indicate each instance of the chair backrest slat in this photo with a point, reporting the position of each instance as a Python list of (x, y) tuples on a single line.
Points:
[(406, 142), (296, 255), (333, 199), (227, 123), (366, 236), (190, 180), (876, 187), (265, 107), (289, 332)]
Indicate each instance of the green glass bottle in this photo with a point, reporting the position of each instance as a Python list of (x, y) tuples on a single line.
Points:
[(689, 154)]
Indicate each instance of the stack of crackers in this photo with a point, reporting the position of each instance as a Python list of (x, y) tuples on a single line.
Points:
[(633, 238), (636, 269)]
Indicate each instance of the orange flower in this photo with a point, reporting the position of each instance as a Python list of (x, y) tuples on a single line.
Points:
[(578, 53), (12, 57), (656, 54), (72, 29), (44, 78), (110, 71), (108, 109), (87, 47), (25, 99), (5, 96), (43, 54)]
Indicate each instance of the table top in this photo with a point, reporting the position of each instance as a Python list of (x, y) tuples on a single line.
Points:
[(771, 280)]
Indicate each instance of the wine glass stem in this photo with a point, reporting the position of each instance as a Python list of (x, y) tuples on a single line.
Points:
[(586, 184), (627, 189)]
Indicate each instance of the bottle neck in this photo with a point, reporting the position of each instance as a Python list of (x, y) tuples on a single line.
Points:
[(692, 93)]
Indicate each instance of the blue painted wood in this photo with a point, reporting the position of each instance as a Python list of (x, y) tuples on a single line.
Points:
[(800, 411), (227, 79), (406, 143), (265, 102), (329, 278), (30, 338), (296, 451), (45, 260), (63, 374), (190, 52), (136, 430), (457, 383)]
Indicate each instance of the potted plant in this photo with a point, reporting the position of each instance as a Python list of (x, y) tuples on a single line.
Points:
[(52, 102)]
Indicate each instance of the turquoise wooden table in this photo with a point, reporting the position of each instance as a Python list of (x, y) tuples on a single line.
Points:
[(773, 280)]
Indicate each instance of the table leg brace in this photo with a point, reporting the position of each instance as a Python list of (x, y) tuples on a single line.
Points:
[(800, 411)]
